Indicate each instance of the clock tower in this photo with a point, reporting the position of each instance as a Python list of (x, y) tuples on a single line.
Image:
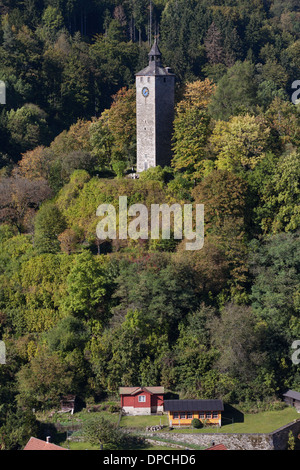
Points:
[(155, 89)]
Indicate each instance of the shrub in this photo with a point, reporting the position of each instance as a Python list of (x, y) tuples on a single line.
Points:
[(113, 408), (196, 423)]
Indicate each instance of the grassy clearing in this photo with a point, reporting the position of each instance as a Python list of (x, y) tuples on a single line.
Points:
[(263, 422), (141, 422)]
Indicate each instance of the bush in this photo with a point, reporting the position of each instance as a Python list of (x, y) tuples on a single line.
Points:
[(113, 408), (196, 423)]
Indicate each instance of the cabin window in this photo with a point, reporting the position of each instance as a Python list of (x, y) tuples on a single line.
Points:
[(142, 399), (215, 415), (182, 415), (175, 415), (190, 416), (208, 415), (201, 415)]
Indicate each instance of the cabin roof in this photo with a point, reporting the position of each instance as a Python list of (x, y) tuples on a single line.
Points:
[(193, 405), (292, 394), (134, 390)]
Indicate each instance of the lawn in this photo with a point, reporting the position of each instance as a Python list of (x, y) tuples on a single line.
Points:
[(263, 422), (141, 422)]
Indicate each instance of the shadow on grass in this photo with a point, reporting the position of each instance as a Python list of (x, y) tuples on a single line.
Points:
[(50, 430), (231, 415)]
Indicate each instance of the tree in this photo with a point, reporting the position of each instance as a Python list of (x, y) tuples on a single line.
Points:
[(284, 120), (101, 140), (100, 431), (20, 198), (75, 89), (276, 302), (120, 119), (35, 164), (28, 127), (49, 224), (69, 240), (214, 45), (77, 160), (224, 196), (278, 205), (70, 333), (19, 426), (236, 92), (52, 22), (75, 139), (192, 129), (43, 381), (240, 143), (41, 291), (86, 287), (238, 345), (164, 293)]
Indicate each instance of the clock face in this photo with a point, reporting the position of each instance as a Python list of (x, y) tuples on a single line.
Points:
[(145, 92)]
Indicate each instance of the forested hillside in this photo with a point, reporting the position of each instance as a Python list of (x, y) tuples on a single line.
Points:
[(83, 316)]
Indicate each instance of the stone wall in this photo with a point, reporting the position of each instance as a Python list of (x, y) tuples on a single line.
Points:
[(276, 440)]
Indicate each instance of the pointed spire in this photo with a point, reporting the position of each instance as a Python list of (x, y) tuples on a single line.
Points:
[(155, 54)]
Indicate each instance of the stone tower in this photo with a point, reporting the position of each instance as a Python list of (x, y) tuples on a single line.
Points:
[(155, 87)]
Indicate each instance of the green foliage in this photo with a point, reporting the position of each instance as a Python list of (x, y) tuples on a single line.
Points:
[(86, 284), (106, 435), (240, 143), (84, 316), (157, 174), (69, 334), (276, 301), (49, 224), (19, 427), (28, 127), (291, 441), (52, 21), (43, 380), (196, 423), (192, 129), (279, 195)]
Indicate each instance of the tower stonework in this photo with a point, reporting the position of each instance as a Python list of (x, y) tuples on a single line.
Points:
[(155, 87)]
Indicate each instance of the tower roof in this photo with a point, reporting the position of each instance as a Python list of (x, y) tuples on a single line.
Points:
[(155, 52), (155, 66)]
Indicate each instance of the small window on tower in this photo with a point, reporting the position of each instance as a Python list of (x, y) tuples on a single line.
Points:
[(141, 79), (148, 79)]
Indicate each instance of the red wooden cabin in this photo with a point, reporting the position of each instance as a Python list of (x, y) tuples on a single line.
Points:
[(142, 400)]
